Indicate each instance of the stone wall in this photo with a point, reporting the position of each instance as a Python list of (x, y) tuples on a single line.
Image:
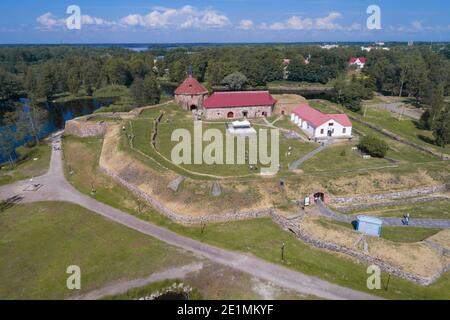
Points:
[(318, 243), (252, 112), (186, 101), (417, 192), (184, 218), (82, 128)]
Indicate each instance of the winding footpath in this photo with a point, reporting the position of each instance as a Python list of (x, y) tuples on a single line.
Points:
[(392, 222), (54, 187)]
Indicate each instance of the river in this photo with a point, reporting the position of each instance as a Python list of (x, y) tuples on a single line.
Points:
[(58, 114)]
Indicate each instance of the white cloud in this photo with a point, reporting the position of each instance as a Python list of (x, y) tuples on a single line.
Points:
[(299, 23), (417, 25), (160, 17), (49, 21), (88, 20), (246, 24), (185, 17)]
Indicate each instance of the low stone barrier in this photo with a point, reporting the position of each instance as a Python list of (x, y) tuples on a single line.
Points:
[(185, 219), (305, 237), (82, 128), (417, 192)]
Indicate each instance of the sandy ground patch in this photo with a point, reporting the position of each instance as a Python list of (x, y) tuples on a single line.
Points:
[(442, 238)]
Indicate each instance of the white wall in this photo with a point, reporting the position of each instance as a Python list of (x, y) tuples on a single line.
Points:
[(338, 130), (316, 132)]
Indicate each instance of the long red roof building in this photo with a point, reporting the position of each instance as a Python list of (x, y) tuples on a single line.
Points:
[(239, 99)]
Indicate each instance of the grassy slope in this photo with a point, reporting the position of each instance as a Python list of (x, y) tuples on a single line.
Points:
[(41, 240), (431, 210), (28, 168), (395, 234), (262, 238)]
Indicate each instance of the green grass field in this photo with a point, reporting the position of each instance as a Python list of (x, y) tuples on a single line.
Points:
[(261, 238), (28, 167), (395, 234), (426, 210), (143, 128), (407, 235), (39, 241), (344, 158), (405, 127)]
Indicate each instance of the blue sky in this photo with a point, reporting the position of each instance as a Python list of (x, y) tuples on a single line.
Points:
[(119, 21)]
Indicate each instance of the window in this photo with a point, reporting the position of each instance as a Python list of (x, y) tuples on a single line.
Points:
[(344, 130), (321, 131), (331, 124)]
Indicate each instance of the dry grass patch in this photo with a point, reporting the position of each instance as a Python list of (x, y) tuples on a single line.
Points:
[(416, 258), (287, 102), (442, 238)]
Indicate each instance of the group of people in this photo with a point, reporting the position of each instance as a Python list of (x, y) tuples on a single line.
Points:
[(406, 219)]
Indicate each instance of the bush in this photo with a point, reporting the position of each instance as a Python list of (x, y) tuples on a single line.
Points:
[(373, 146)]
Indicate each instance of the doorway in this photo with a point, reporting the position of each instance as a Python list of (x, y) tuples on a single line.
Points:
[(319, 196)]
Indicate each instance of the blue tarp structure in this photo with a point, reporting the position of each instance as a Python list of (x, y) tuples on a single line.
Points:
[(369, 225)]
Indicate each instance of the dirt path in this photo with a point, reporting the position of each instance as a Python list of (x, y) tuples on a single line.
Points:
[(56, 188), (399, 109)]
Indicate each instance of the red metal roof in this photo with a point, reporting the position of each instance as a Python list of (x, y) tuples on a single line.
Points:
[(239, 99), (191, 86), (316, 118), (354, 59)]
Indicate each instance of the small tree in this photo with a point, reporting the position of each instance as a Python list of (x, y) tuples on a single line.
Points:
[(373, 146), (441, 129), (235, 81)]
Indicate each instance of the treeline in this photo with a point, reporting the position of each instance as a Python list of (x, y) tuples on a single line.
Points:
[(44, 73), (418, 73)]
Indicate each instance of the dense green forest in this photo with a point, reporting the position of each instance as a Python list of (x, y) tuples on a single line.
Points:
[(48, 73)]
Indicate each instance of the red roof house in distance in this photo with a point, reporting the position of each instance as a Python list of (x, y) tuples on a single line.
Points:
[(240, 104), (319, 125), (190, 94), (359, 62)]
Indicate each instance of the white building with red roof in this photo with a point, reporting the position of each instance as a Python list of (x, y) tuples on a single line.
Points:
[(319, 125), (239, 104), (191, 94), (359, 62)]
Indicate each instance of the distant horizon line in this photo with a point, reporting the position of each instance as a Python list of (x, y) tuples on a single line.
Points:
[(216, 43)]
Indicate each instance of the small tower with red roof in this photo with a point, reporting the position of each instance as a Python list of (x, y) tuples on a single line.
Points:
[(191, 94)]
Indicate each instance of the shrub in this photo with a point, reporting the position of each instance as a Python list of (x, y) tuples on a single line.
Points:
[(373, 146)]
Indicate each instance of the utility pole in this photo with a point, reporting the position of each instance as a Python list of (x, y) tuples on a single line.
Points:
[(387, 284)]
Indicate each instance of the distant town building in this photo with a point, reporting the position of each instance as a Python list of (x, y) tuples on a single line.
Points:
[(329, 46), (191, 94), (319, 125), (368, 49), (359, 62)]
